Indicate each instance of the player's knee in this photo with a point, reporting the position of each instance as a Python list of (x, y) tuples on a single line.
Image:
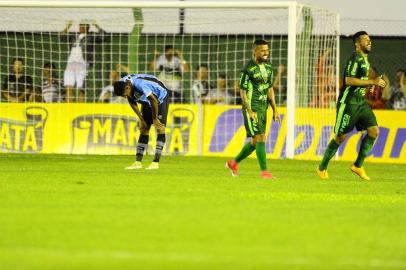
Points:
[(340, 138), (161, 130), (144, 130), (259, 138), (373, 132)]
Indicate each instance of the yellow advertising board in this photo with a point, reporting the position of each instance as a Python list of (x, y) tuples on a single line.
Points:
[(224, 134), (113, 129), (88, 129)]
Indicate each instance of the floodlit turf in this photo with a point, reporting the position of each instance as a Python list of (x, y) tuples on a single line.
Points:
[(87, 212)]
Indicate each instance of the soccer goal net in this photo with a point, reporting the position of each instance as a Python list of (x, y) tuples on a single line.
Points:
[(58, 60)]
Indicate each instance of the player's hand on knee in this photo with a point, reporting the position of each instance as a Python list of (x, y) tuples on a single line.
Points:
[(142, 125), (160, 128)]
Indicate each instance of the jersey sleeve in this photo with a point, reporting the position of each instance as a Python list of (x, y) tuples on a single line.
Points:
[(351, 67)]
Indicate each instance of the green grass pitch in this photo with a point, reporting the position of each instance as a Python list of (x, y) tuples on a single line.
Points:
[(87, 212)]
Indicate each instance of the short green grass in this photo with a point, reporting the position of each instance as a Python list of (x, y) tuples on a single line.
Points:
[(87, 212)]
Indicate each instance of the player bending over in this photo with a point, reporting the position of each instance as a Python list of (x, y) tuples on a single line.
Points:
[(153, 96), (256, 93)]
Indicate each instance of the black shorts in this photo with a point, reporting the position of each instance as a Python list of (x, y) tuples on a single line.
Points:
[(163, 108)]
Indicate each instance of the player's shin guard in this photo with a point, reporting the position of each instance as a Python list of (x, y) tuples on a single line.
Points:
[(141, 146), (261, 155), (160, 143), (245, 152), (329, 154), (366, 147)]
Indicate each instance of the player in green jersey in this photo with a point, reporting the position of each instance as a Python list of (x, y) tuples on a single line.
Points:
[(256, 93), (352, 108)]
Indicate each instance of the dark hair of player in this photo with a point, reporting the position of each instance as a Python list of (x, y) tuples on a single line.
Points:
[(119, 88), (357, 35), (259, 42)]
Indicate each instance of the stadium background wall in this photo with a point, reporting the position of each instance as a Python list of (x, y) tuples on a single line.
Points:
[(112, 129)]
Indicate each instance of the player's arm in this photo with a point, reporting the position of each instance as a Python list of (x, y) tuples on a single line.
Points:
[(271, 100), (246, 103), (352, 81), (134, 106), (154, 106)]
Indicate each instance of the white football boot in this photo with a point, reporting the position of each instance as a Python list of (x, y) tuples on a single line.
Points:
[(153, 166), (135, 166)]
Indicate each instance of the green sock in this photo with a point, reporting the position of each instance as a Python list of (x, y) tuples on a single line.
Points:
[(366, 147), (330, 152), (261, 155), (245, 152)]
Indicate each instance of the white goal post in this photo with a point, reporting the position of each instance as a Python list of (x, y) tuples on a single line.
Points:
[(309, 31)]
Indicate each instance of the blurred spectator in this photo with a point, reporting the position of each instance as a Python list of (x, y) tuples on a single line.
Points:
[(201, 86), (220, 94), (236, 93), (325, 94), (374, 93), (17, 86), (278, 87), (171, 66), (51, 87), (396, 95), (81, 57), (107, 93)]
